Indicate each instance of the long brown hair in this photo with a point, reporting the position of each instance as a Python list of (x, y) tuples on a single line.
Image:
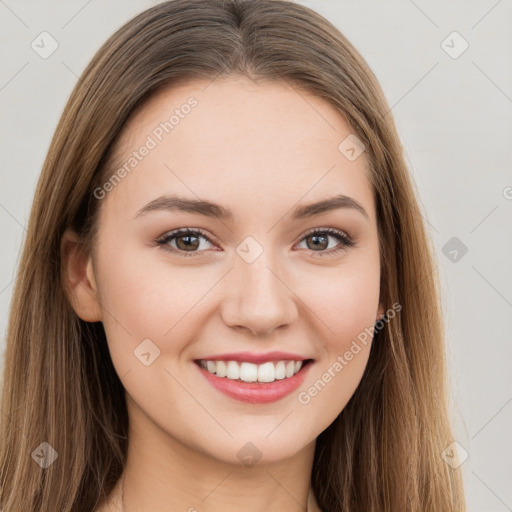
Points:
[(384, 451)]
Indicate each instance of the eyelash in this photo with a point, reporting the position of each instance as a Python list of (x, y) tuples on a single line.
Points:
[(163, 241)]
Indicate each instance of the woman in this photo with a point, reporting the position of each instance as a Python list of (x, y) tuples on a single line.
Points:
[(227, 298)]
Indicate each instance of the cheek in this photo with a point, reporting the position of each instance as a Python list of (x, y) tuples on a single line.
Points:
[(345, 300), (346, 304), (338, 372), (144, 301), (326, 393)]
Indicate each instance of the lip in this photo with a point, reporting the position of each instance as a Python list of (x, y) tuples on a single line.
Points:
[(254, 357), (256, 392)]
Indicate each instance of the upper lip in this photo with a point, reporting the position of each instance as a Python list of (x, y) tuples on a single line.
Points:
[(255, 357)]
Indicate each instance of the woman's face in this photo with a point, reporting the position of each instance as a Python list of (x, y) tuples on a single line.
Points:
[(254, 285)]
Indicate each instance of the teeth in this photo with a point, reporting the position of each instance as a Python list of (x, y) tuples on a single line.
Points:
[(266, 372), (280, 370), (249, 372), (233, 371), (222, 370)]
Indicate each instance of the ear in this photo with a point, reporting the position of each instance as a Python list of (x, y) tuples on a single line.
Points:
[(380, 312), (78, 277)]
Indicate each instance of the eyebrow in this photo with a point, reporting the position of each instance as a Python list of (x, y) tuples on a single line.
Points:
[(214, 210)]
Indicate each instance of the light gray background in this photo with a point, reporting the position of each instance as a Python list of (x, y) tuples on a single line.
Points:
[(454, 116)]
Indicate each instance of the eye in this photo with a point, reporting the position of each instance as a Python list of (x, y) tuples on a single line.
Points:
[(186, 241), (320, 240)]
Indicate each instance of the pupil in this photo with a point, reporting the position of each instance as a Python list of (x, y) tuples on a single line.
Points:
[(316, 237), (187, 243)]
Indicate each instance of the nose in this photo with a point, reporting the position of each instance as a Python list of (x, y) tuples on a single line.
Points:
[(258, 298)]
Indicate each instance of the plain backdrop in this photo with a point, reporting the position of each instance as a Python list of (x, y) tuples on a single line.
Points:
[(446, 70)]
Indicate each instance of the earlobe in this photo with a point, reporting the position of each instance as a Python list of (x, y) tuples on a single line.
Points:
[(78, 278), (380, 313)]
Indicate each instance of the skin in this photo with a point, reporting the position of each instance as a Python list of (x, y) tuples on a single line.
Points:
[(260, 150)]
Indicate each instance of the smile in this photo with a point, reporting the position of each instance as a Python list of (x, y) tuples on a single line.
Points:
[(250, 372), (254, 383)]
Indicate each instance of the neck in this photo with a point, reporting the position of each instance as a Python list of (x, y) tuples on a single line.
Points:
[(311, 504), (162, 474)]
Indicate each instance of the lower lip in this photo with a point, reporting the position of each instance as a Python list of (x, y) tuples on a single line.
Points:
[(256, 392)]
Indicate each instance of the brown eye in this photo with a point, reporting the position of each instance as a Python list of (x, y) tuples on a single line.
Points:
[(187, 242), (318, 241)]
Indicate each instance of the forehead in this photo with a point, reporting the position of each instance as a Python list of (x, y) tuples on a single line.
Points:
[(229, 108), (232, 136)]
